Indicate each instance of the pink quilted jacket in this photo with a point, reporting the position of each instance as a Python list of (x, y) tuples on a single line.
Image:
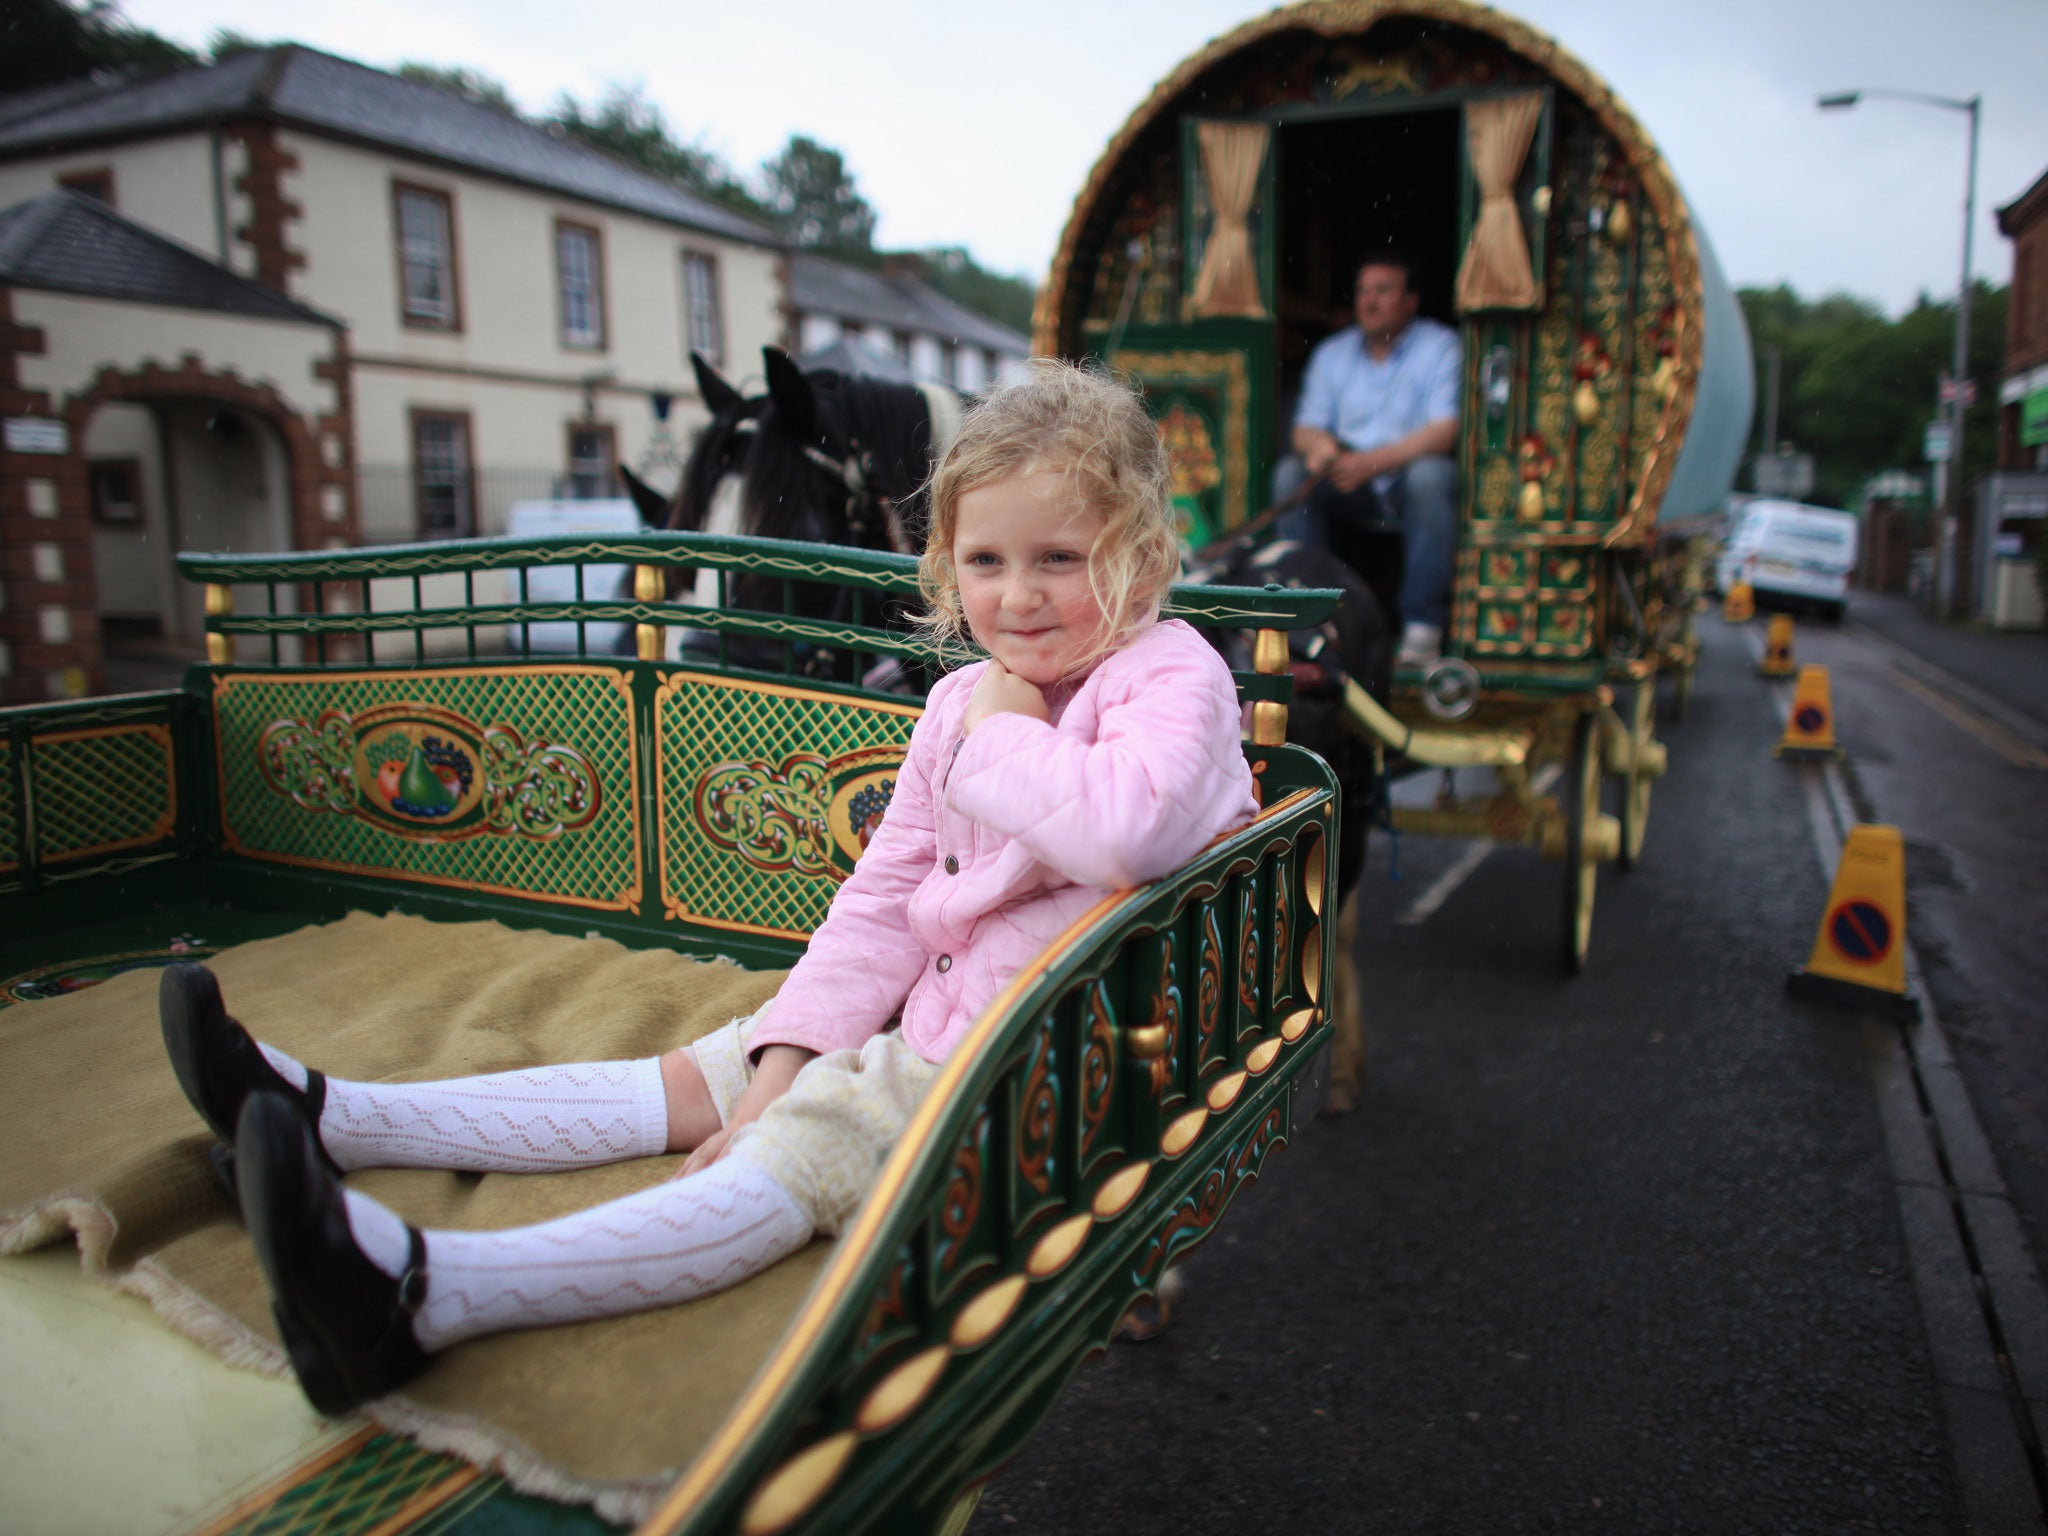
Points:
[(994, 843)]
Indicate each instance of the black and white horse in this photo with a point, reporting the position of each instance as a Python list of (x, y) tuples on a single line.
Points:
[(824, 458), (834, 459)]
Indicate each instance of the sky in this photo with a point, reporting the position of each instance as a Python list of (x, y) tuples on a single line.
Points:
[(974, 124)]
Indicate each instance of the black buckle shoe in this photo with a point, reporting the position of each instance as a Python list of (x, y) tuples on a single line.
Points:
[(345, 1323), (219, 1066)]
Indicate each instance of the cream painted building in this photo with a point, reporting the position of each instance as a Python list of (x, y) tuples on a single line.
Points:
[(477, 313)]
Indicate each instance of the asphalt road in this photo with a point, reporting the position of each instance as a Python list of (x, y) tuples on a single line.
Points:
[(1624, 1253)]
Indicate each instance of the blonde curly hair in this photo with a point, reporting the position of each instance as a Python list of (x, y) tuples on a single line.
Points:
[(1092, 428)]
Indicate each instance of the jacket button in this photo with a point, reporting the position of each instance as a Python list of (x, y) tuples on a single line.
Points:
[(952, 865), (945, 963)]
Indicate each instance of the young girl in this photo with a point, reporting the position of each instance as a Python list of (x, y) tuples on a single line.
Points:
[(1096, 748)]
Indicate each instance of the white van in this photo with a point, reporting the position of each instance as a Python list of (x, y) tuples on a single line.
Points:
[(1792, 552)]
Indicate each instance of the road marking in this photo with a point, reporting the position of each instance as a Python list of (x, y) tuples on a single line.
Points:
[(1983, 727), (1440, 889), (2020, 724)]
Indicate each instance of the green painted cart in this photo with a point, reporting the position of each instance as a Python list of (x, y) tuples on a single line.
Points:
[(1607, 379), (374, 731)]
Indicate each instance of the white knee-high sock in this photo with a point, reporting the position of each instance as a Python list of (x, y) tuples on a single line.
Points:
[(528, 1121), (678, 1240)]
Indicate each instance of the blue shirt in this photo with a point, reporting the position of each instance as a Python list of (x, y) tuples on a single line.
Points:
[(1365, 402)]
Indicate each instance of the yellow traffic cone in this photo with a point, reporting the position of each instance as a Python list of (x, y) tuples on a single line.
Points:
[(1810, 728), (1859, 956), (1739, 606), (1777, 660)]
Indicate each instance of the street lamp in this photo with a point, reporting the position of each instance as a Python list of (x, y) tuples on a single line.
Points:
[(1952, 470)]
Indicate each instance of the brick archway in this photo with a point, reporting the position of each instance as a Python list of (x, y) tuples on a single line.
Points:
[(49, 623), (309, 502)]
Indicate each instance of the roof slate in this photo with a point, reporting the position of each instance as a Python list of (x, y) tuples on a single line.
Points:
[(67, 242), (819, 285), (304, 88)]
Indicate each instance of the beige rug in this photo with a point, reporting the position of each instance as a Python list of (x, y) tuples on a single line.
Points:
[(97, 1142)]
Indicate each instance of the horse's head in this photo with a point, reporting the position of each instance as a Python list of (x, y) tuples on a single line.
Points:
[(842, 459)]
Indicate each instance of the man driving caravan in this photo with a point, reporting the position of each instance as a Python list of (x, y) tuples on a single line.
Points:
[(1376, 424)]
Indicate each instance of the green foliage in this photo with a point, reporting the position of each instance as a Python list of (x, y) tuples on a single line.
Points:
[(626, 124), (45, 41), (226, 43), (815, 202), (472, 85), (1857, 390), (1004, 299)]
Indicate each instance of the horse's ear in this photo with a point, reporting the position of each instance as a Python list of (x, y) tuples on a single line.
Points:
[(651, 504), (719, 396), (791, 392)]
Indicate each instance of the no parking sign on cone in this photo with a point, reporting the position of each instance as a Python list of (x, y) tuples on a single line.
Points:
[(1810, 728), (1859, 955)]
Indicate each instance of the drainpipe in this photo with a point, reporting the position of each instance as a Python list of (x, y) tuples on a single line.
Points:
[(220, 197)]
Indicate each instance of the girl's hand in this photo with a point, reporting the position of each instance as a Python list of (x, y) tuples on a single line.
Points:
[(773, 1074), (1003, 692), (709, 1151)]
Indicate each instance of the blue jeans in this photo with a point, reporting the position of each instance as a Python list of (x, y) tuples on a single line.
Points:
[(1423, 497)]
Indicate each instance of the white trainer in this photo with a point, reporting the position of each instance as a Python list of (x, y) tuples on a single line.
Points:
[(1421, 644)]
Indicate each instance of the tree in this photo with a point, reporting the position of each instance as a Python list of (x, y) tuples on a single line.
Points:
[(43, 42), (472, 85), (1857, 390), (625, 124), (1004, 299), (813, 199)]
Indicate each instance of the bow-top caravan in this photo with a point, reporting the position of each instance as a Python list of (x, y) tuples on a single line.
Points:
[(1605, 389)]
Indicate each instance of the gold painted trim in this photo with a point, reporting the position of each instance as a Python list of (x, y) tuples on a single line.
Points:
[(983, 1318), (670, 687), (1056, 1250), (165, 824), (898, 1393), (1312, 962), (1116, 1192), (626, 900), (1224, 1091), (797, 1484), (1263, 1055), (277, 1488), (1339, 18), (1314, 867), (843, 1268), (1297, 1024), (1181, 1134), (426, 1501)]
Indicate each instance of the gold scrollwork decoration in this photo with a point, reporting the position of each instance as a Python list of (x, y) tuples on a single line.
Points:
[(1040, 1116), (312, 765), (1098, 1066), (773, 817), (1165, 1015), (963, 1194), (1209, 986), (536, 789), (1248, 950)]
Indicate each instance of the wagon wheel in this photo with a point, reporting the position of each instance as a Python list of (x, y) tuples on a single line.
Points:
[(1635, 784), (1581, 865)]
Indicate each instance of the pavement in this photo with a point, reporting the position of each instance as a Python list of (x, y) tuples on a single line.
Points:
[(2011, 665), (1657, 1248)]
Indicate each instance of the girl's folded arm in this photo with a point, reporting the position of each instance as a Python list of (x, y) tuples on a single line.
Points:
[(1163, 774)]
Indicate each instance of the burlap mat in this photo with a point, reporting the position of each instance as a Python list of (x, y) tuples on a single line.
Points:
[(97, 1140)]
